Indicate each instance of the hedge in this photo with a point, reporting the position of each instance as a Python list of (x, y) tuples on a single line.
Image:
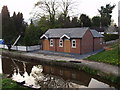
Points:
[(109, 37)]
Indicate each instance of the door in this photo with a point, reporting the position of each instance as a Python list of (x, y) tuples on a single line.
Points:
[(46, 45), (67, 46)]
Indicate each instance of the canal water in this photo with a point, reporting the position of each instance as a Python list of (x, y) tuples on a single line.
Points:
[(36, 75)]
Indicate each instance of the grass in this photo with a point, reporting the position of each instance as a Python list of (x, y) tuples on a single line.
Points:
[(61, 61), (109, 56), (94, 72), (7, 83), (15, 51), (86, 69)]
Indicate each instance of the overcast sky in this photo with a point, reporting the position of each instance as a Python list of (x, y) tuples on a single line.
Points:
[(88, 7)]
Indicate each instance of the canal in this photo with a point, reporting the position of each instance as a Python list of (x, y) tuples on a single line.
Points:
[(37, 75)]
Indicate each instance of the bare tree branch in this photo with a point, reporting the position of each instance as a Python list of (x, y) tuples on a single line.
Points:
[(48, 7)]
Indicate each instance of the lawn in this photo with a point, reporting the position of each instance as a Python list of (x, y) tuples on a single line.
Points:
[(7, 83), (107, 56)]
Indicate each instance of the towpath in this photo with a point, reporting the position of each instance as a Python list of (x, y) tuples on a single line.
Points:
[(106, 68)]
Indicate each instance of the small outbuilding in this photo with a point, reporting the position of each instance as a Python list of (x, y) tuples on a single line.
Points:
[(72, 40)]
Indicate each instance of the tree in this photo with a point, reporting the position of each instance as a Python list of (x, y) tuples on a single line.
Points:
[(66, 6), (12, 26), (20, 26), (85, 20), (5, 12), (96, 20), (105, 13), (7, 26), (43, 24), (48, 7), (64, 22), (75, 22), (55, 10), (19, 22), (32, 34), (67, 22)]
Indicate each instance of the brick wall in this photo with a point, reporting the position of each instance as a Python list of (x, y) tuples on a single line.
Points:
[(77, 49), (97, 44), (87, 42), (56, 47), (59, 49), (83, 45), (53, 48)]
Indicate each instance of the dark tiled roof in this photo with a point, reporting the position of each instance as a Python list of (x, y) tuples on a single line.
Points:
[(96, 34), (70, 32), (99, 29)]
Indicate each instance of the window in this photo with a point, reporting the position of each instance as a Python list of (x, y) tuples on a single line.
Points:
[(60, 43), (51, 42), (73, 43)]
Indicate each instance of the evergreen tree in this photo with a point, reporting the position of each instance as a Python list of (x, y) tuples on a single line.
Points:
[(7, 26), (85, 20), (43, 24), (75, 22), (64, 21), (96, 21), (13, 26), (32, 34), (105, 13)]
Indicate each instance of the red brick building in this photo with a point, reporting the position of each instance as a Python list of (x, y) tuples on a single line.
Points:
[(72, 40)]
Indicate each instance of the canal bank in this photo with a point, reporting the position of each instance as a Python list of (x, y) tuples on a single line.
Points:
[(106, 71)]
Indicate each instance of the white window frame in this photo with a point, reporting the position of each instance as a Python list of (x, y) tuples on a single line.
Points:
[(51, 42), (61, 42), (73, 43)]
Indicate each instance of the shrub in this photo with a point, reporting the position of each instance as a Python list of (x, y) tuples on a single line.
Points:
[(109, 37)]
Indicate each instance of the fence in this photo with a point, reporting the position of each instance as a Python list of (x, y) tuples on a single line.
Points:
[(22, 48), (111, 42)]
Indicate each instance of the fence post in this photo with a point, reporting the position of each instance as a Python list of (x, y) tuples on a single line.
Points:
[(16, 48), (26, 49)]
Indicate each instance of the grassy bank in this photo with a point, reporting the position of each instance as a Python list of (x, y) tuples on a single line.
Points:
[(101, 75), (110, 56), (8, 83)]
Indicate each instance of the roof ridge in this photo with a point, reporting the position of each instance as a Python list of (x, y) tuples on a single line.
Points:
[(69, 28)]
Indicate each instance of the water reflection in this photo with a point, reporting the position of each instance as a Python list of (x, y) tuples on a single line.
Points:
[(43, 76)]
